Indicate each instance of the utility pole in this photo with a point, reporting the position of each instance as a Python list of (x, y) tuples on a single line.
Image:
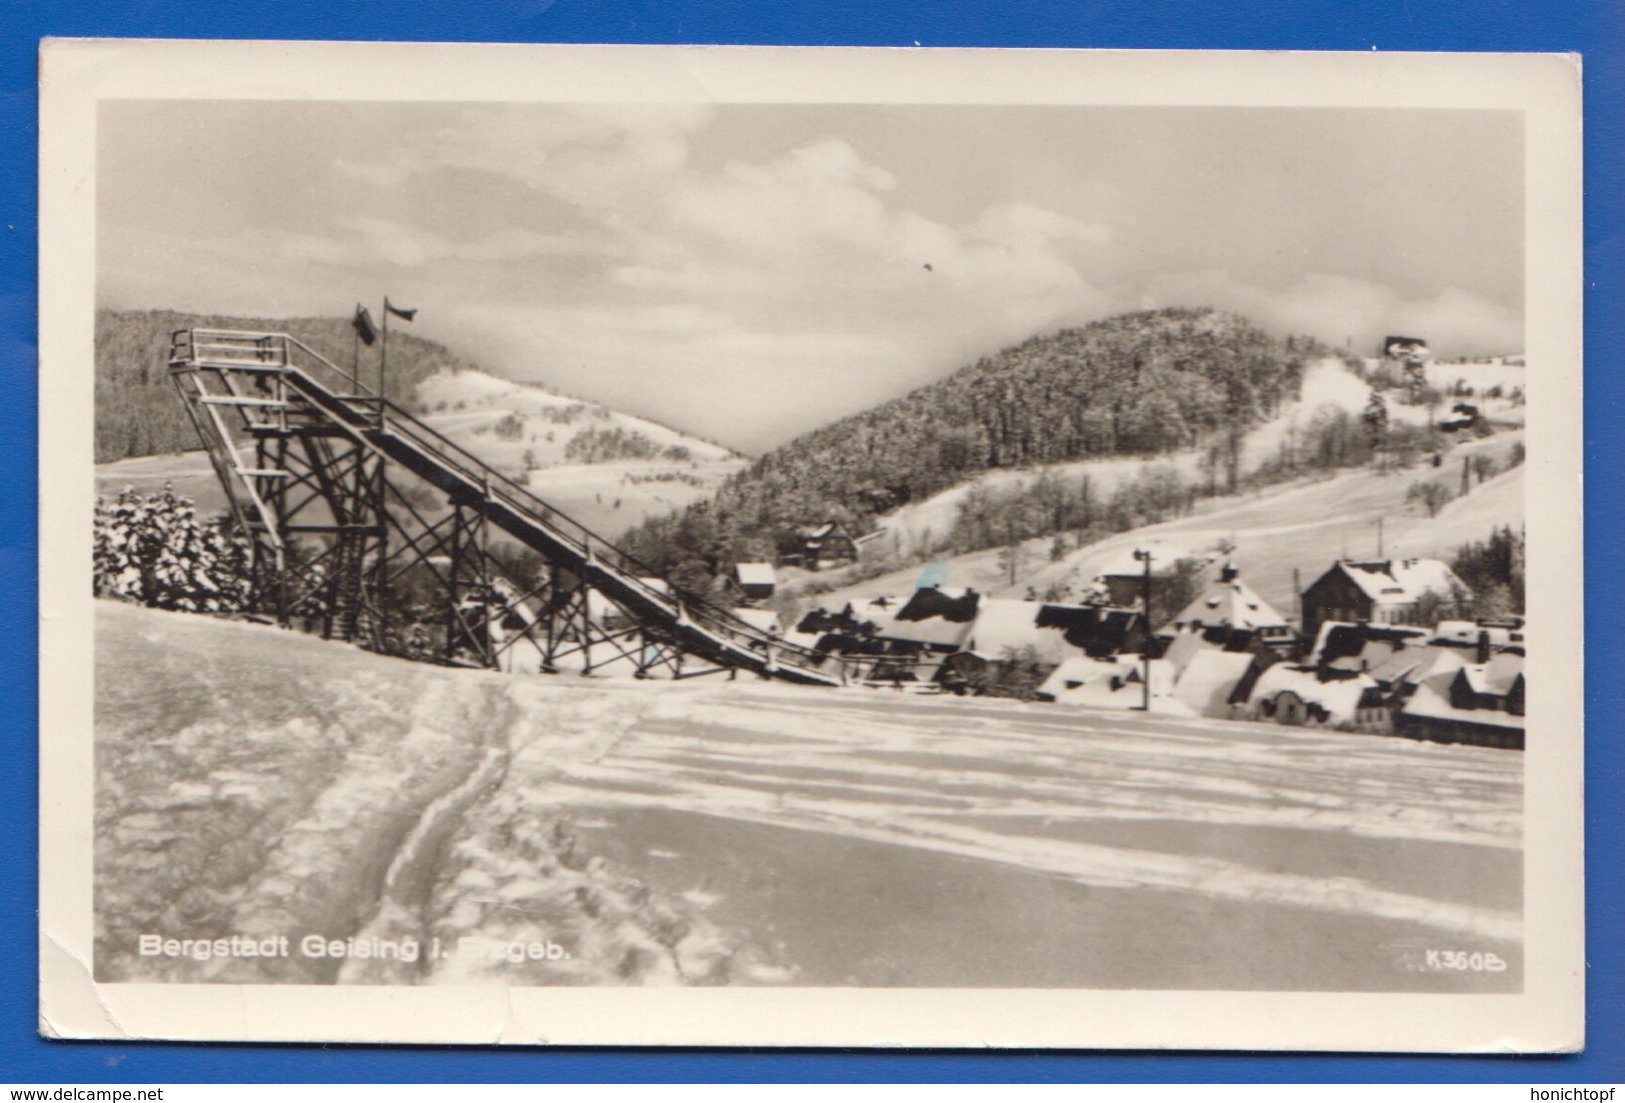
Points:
[(1144, 557)]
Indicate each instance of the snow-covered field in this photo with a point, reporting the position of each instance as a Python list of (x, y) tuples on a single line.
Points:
[(256, 783)]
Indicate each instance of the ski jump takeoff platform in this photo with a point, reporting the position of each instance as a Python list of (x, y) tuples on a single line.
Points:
[(367, 525)]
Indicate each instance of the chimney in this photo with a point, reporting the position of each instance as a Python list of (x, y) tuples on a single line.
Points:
[(1228, 573), (1483, 655)]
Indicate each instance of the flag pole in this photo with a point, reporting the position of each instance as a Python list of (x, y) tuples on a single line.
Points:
[(383, 353), (383, 362)]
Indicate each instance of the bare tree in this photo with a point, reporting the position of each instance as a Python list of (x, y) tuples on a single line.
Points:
[(1433, 496)]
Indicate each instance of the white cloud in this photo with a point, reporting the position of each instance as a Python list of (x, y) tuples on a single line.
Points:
[(1022, 225), (1334, 308), (611, 261), (686, 287), (410, 246), (590, 154)]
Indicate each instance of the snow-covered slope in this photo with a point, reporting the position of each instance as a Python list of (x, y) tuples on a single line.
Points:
[(465, 404), (1300, 526), (1326, 384), (606, 469), (260, 783)]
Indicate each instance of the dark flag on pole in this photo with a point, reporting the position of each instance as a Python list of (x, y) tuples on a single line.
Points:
[(404, 315), (363, 325)]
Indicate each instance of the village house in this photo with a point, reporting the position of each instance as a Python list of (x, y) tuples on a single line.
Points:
[(932, 621), (1112, 683), (1121, 582), (951, 636), (1459, 683), (1500, 633), (1205, 682), (840, 631), (818, 547), (756, 580), (1311, 696), (1406, 667), (874, 545), (1361, 646), (1231, 615), (1463, 415), (1386, 591), (1476, 697), (1046, 633)]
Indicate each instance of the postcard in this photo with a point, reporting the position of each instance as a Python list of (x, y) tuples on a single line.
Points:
[(810, 547)]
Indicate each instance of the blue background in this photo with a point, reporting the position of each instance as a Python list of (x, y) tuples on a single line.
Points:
[(1595, 29)]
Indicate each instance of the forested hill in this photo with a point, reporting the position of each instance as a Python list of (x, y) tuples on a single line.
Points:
[(1143, 383), (138, 412)]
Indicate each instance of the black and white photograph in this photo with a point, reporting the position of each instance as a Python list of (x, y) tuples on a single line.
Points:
[(911, 542)]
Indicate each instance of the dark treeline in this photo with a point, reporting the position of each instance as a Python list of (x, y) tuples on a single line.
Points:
[(1493, 569), (1139, 384), (595, 445), (138, 412)]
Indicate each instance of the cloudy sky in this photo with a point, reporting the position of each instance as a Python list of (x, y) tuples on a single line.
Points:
[(750, 272)]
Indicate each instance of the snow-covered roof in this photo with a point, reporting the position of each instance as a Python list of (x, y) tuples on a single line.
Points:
[(755, 574), (1432, 701), (929, 602), (1401, 581), (1340, 697), (935, 631), (1230, 603), (1336, 639), (1372, 654), (1128, 692), (1081, 670), (1467, 631), (1003, 624), (1186, 646), (1210, 677), (1496, 676), (1409, 665)]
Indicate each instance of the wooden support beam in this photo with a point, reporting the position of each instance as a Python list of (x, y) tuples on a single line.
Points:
[(235, 400)]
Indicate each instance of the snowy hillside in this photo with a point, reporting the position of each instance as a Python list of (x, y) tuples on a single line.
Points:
[(1303, 525), (260, 783), (1327, 384), (606, 469), (469, 403), (1300, 525)]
